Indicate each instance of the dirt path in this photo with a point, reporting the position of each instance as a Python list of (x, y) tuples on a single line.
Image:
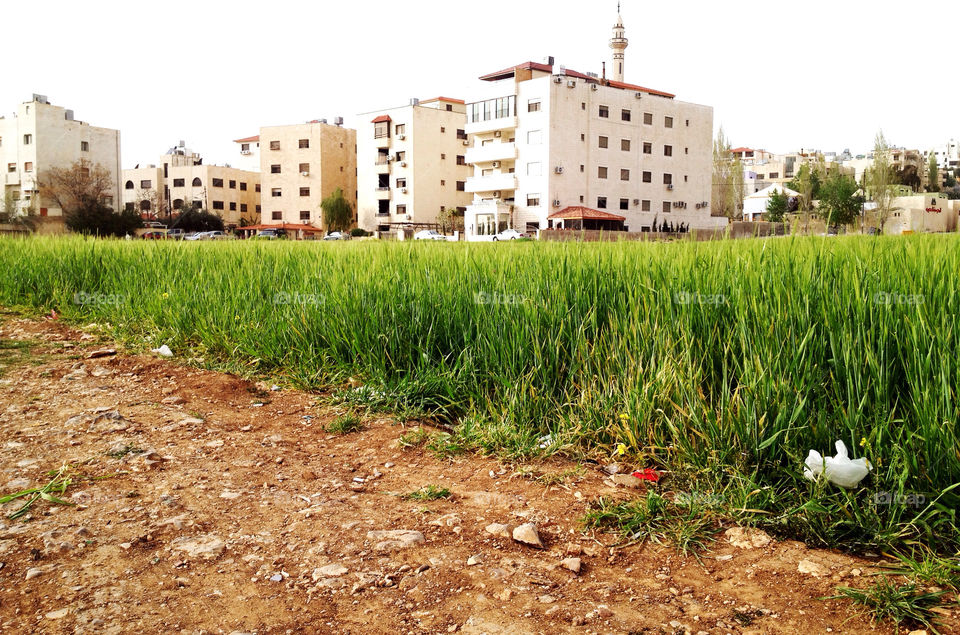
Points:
[(224, 515)]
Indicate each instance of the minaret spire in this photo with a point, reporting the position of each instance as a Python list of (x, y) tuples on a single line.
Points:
[(618, 43)]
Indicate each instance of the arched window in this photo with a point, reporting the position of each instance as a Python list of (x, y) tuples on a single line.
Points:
[(197, 182), (129, 185), (144, 205), (178, 203)]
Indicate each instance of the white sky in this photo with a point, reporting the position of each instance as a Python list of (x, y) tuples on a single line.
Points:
[(824, 74)]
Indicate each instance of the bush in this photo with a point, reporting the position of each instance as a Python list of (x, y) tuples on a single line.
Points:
[(357, 232)]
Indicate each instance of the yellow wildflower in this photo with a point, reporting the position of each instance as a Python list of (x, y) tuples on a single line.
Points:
[(621, 449)]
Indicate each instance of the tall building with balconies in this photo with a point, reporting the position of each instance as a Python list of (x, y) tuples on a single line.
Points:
[(40, 136), (545, 137), (412, 164)]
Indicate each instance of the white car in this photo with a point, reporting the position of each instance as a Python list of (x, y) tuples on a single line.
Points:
[(429, 234), (195, 236), (509, 234), (337, 236)]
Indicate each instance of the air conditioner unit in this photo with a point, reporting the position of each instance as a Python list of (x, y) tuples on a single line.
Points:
[(556, 203), (558, 169), (496, 194), (636, 201), (304, 174), (638, 95), (498, 134), (409, 216), (403, 164), (571, 84), (466, 143), (496, 164), (244, 152), (401, 137), (403, 190), (594, 87), (557, 79), (670, 187)]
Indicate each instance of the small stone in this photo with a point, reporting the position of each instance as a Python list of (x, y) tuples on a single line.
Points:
[(603, 611), (475, 560), (397, 539), (571, 564), (747, 538), (230, 495), (546, 599), (58, 614), (500, 531), (207, 546), (811, 568), (527, 534), (918, 632), (329, 571), (33, 573), (613, 468), (276, 578), (173, 400), (627, 480)]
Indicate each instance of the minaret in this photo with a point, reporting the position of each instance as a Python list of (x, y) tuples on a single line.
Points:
[(619, 44)]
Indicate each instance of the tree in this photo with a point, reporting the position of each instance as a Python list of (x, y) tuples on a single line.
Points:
[(933, 174), (445, 219), (840, 201), (777, 206), (880, 180), (82, 191), (337, 212), (197, 220), (95, 218), (724, 190)]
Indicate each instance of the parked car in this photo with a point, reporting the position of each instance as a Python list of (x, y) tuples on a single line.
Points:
[(194, 236), (154, 225), (176, 234), (429, 234), (215, 235), (268, 234), (155, 235), (337, 236), (509, 234)]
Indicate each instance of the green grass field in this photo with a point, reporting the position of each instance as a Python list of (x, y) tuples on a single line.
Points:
[(722, 363)]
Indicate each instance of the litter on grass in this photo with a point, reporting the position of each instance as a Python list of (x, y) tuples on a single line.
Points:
[(163, 351), (839, 470)]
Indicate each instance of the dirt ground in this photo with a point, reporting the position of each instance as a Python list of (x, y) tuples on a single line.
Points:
[(204, 503)]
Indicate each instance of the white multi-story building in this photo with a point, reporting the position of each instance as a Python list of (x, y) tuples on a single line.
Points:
[(545, 138), (948, 155), (249, 157), (40, 136), (412, 164)]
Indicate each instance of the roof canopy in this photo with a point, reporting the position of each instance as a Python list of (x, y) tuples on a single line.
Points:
[(382, 119), (776, 187), (584, 213)]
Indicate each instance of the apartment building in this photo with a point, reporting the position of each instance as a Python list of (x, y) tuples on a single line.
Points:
[(412, 164), (249, 153), (40, 136), (181, 180), (302, 164), (545, 138)]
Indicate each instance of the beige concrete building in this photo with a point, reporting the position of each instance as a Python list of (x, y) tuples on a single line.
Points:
[(412, 164), (40, 136), (303, 163), (181, 180), (922, 214)]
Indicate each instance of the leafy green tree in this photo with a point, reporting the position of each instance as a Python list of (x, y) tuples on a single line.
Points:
[(337, 212), (933, 174), (840, 201), (777, 206), (197, 220), (91, 217), (726, 173), (881, 180)]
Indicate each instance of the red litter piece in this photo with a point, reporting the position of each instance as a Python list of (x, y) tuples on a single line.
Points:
[(648, 474)]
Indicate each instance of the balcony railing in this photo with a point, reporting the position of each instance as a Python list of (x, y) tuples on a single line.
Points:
[(492, 152), (492, 183), (383, 160)]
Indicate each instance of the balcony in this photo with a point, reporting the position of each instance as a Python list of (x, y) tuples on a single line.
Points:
[(492, 152), (383, 193), (383, 159), (503, 123), (492, 183)]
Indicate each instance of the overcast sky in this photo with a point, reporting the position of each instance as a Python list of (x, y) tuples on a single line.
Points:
[(824, 74)]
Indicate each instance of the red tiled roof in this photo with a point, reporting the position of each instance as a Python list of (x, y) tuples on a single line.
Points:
[(546, 68), (578, 212), (286, 226), (736, 150), (526, 66), (449, 99), (381, 119), (248, 139), (640, 88)]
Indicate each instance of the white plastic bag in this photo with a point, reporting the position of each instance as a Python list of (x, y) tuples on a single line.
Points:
[(163, 351), (839, 469)]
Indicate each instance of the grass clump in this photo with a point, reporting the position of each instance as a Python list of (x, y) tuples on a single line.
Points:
[(345, 424), (58, 485), (901, 604), (121, 452), (428, 493)]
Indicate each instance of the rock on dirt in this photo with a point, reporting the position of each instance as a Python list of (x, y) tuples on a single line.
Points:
[(499, 530), (395, 539), (527, 534), (812, 568), (207, 546), (329, 571), (571, 564), (747, 538)]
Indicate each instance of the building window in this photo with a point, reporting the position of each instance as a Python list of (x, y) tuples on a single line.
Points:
[(686, 150), (274, 145), (604, 142), (443, 183), (624, 203), (144, 205), (624, 175), (304, 143), (304, 191), (243, 208), (304, 169), (178, 183), (275, 168), (381, 130), (443, 156), (774, 175), (129, 207), (442, 129), (256, 187), (604, 112), (196, 182), (401, 129), (461, 160), (84, 146), (462, 134), (276, 215), (648, 118), (668, 151), (276, 192), (28, 166), (533, 105), (666, 207), (461, 186), (243, 186), (533, 200), (625, 115), (258, 209), (12, 167), (84, 172), (688, 123), (27, 139), (625, 145), (401, 156), (601, 202), (233, 207), (304, 214), (244, 147), (644, 206), (233, 185), (647, 147), (648, 177), (146, 184), (668, 122), (217, 182), (667, 179), (535, 137), (582, 168), (218, 205), (533, 169), (401, 209), (127, 186), (601, 172)]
